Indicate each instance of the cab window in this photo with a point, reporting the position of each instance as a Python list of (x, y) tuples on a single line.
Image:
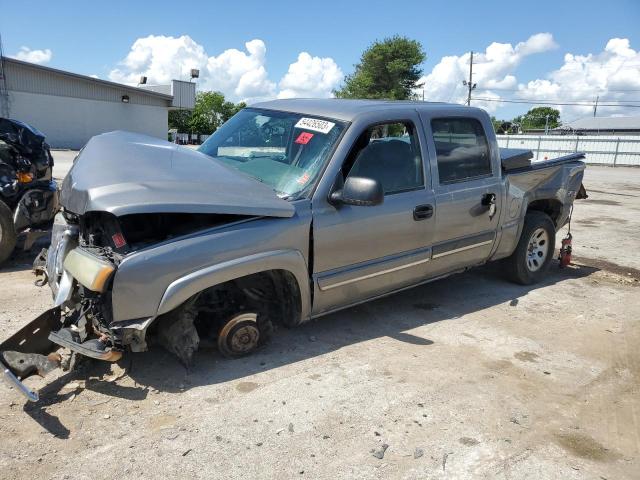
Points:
[(462, 149), (389, 153)]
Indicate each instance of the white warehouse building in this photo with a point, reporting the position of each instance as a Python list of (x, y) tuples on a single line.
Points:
[(70, 108)]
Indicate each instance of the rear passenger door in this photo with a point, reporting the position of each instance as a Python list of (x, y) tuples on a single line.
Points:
[(467, 191)]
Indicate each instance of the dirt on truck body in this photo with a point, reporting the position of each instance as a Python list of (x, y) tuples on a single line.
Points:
[(293, 209)]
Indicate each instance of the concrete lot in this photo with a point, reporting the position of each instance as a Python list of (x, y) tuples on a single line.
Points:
[(62, 162), (468, 377)]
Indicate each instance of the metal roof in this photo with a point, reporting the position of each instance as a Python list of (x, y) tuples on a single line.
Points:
[(343, 109), (604, 123), (85, 78)]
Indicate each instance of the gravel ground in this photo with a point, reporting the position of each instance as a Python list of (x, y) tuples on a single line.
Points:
[(467, 377)]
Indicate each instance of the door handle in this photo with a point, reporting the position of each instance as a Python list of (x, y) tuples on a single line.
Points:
[(422, 212), (489, 200)]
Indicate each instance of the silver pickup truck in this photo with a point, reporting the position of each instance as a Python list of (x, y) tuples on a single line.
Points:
[(293, 209)]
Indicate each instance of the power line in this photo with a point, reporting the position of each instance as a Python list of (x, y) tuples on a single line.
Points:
[(601, 99), (549, 102)]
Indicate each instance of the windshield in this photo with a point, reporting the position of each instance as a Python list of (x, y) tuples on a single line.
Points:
[(285, 150)]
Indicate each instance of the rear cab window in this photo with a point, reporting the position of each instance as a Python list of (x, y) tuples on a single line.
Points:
[(462, 149)]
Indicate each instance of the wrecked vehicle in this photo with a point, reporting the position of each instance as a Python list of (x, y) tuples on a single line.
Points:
[(28, 194), (293, 209)]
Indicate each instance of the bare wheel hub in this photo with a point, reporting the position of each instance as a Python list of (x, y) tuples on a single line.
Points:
[(239, 336), (538, 249)]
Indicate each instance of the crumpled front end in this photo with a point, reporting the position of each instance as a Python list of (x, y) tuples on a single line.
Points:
[(79, 275), (80, 268)]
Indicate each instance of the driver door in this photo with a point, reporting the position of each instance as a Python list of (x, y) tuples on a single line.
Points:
[(364, 251)]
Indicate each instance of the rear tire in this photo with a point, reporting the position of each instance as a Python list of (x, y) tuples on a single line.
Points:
[(7, 233), (530, 261)]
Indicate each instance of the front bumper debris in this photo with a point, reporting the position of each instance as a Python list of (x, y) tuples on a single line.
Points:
[(30, 352)]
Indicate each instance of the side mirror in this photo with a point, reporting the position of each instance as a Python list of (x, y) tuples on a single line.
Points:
[(360, 191)]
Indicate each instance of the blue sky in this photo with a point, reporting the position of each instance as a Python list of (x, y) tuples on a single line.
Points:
[(93, 38)]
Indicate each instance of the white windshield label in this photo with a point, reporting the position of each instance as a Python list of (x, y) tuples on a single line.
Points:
[(315, 124)]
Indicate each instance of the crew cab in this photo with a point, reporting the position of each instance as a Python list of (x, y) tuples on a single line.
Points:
[(293, 209)]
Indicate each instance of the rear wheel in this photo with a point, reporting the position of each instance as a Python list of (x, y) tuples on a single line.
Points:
[(7, 232), (531, 258)]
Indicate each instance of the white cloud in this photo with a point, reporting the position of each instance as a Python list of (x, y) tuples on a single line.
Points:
[(492, 69), (239, 74), (34, 56), (161, 59), (310, 77), (611, 74)]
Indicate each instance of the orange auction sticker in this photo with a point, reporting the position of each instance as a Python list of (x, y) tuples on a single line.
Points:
[(304, 138), (304, 179)]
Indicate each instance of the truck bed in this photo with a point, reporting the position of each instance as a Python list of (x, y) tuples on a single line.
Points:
[(516, 160)]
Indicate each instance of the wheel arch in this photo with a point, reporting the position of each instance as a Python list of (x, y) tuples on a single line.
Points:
[(551, 206), (285, 266)]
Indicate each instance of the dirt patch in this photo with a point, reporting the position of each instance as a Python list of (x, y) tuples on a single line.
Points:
[(468, 441), (161, 422), (628, 272), (584, 446), (587, 223), (499, 365), (604, 202), (527, 356), (615, 193), (246, 387), (613, 219)]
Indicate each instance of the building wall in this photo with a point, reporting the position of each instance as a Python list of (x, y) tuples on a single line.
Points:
[(69, 122)]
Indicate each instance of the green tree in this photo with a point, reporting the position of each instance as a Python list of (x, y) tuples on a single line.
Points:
[(536, 118), (503, 126), (179, 119), (388, 69), (210, 111)]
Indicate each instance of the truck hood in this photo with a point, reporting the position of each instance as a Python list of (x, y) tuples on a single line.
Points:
[(125, 173)]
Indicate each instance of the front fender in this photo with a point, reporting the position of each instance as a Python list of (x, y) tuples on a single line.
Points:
[(144, 277), (290, 260)]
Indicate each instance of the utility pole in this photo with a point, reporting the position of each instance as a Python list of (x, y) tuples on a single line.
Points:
[(470, 85), (546, 124), (595, 107)]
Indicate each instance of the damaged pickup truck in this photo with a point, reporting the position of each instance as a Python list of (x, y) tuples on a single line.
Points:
[(28, 194), (291, 210)]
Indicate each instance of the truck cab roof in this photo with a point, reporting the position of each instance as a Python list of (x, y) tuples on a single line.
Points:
[(348, 110)]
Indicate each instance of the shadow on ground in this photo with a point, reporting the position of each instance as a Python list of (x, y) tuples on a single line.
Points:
[(445, 299)]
